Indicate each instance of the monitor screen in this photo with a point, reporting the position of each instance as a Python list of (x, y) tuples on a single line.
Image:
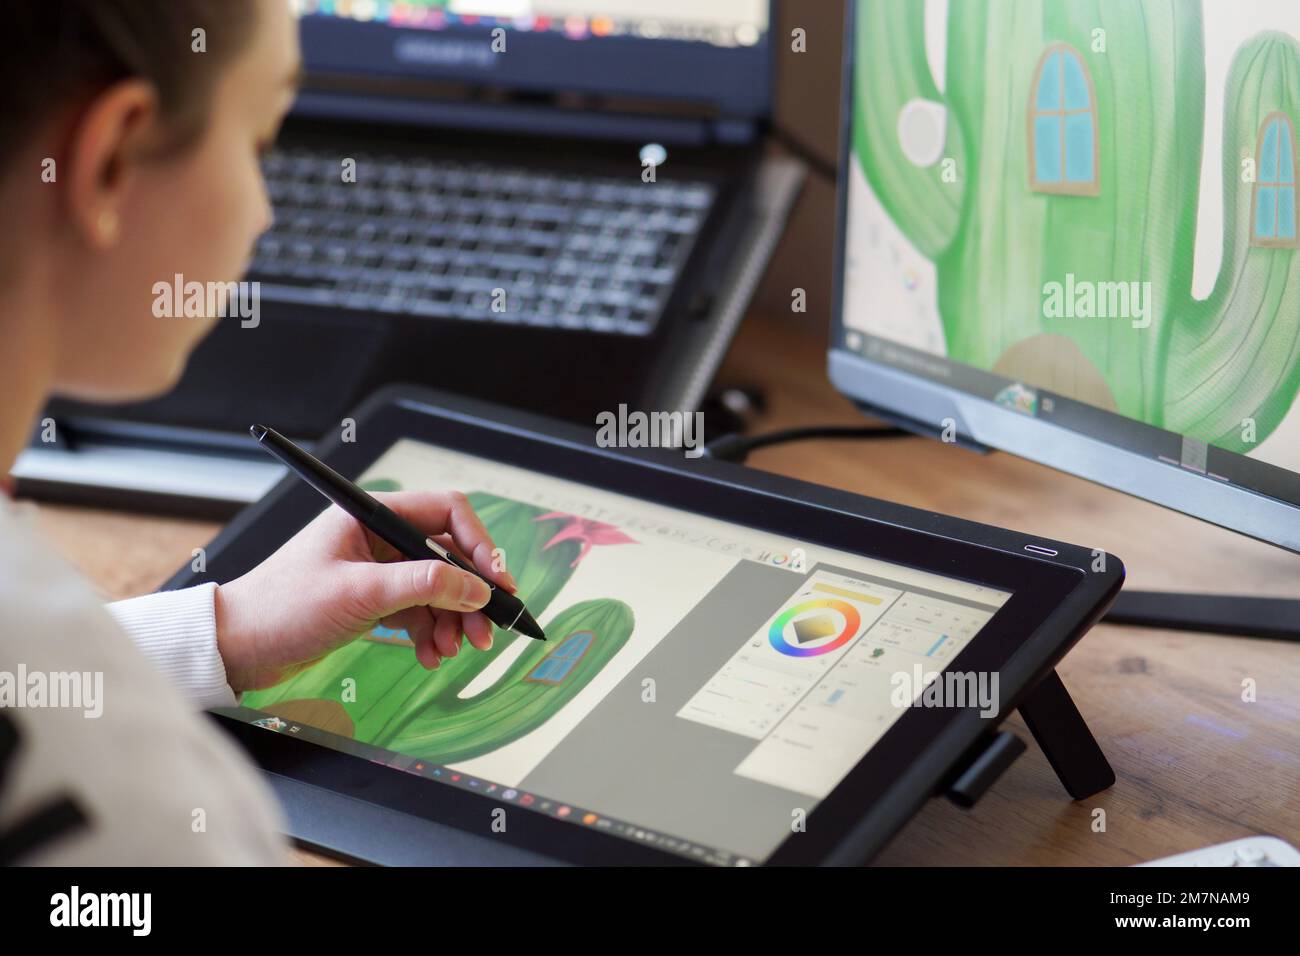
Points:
[(701, 682), (1070, 231), (716, 54)]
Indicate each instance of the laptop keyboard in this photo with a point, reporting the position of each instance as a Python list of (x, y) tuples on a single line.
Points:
[(477, 242)]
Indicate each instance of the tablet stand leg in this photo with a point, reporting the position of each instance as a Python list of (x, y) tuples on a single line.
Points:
[(1065, 739)]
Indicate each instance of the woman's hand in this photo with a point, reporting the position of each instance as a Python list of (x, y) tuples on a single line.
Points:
[(334, 580)]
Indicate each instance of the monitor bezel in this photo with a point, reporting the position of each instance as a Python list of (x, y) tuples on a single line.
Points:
[(731, 82)]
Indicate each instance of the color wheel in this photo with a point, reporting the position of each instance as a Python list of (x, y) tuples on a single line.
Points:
[(776, 634)]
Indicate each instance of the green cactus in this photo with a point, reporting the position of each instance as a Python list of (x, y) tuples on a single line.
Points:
[(401, 706), (1202, 367), (381, 484)]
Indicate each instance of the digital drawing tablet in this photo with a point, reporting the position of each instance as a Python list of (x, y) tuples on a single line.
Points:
[(739, 670)]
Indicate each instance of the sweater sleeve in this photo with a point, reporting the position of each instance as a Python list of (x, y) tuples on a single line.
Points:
[(177, 632)]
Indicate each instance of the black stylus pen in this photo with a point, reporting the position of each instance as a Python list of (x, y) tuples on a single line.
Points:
[(502, 609)]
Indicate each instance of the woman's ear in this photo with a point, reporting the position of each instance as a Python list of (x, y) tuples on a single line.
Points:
[(108, 139)]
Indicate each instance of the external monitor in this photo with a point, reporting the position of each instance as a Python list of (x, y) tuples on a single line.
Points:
[(1069, 231)]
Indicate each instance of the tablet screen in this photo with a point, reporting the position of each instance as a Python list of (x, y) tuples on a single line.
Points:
[(702, 687)]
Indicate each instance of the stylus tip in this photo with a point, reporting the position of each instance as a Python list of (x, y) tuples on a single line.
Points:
[(258, 431), (527, 626)]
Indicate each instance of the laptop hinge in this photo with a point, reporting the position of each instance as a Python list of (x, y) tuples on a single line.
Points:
[(538, 116)]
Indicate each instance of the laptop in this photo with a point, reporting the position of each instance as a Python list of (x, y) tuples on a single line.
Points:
[(561, 206)]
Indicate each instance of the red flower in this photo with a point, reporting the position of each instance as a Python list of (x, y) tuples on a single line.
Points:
[(587, 532)]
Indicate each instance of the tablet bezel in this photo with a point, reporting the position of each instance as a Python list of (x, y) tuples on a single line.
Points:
[(1054, 601)]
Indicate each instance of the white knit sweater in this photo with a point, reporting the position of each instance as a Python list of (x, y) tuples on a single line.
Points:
[(106, 704)]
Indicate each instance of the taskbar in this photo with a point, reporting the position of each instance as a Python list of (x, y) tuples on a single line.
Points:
[(557, 809), (425, 16)]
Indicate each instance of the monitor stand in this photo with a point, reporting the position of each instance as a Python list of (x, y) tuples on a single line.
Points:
[(1275, 618), (1227, 614)]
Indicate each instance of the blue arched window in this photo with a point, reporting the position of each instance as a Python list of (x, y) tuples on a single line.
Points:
[(1273, 212), (555, 666), (1063, 148)]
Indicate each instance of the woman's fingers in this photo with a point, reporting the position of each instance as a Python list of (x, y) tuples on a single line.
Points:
[(414, 621), (487, 560), (446, 634), (479, 631), (419, 624), (436, 512), (491, 564), (426, 652), (384, 589), (437, 633)]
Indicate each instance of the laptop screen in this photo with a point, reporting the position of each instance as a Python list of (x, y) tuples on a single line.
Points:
[(724, 23), (714, 53)]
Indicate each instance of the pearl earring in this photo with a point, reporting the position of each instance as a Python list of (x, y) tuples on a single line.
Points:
[(108, 224)]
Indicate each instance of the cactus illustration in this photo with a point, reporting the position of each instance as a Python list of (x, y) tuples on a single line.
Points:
[(399, 705), (1199, 367)]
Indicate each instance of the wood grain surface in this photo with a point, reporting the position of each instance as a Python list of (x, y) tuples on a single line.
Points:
[(1196, 764)]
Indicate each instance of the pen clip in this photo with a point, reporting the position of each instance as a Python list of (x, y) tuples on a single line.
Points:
[(454, 560)]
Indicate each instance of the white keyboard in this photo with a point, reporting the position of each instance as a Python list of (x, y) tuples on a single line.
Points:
[(1248, 851)]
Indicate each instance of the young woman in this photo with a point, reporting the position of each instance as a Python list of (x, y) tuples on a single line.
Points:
[(130, 134)]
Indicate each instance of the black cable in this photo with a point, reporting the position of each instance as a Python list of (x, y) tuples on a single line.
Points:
[(819, 164), (736, 448)]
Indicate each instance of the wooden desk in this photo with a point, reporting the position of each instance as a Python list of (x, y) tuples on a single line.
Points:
[(1196, 764)]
